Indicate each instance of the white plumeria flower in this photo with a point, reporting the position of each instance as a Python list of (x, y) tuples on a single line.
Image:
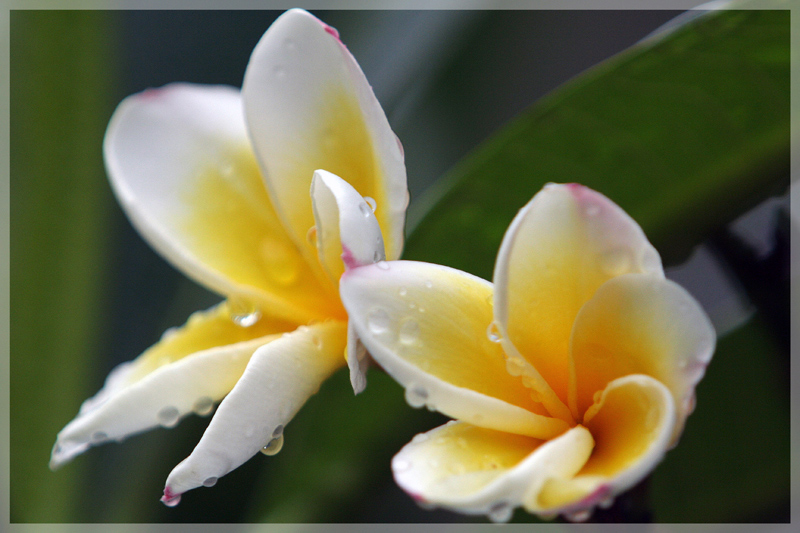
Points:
[(218, 182), (570, 377)]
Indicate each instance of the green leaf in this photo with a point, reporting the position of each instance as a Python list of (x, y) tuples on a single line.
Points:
[(684, 131), (61, 98)]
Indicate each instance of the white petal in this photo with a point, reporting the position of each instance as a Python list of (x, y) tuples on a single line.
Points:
[(479, 471), (192, 384), (348, 234), (641, 324), (309, 107), (181, 165), (278, 380), (565, 243), (426, 325), (631, 422)]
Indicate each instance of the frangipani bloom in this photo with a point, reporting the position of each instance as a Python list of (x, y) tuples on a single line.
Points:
[(218, 182), (569, 378)]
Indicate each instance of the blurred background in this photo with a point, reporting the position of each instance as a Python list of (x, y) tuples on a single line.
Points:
[(87, 293)]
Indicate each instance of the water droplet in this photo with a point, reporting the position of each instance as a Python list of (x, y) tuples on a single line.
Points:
[(461, 442), (515, 366), (203, 406), (606, 503), (421, 309), (458, 468), (289, 44), (243, 313), (99, 436), (378, 321), (401, 465), (578, 516), (278, 431), (172, 502), (500, 512), (373, 205), (403, 291), (316, 340), (615, 262), (536, 396), (209, 481), (383, 265), (273, 446), (598, 395), (408, 332), (689, 404), (378, 257), (429, 284), (416, 396), (419, 437), (592, 210), (279, 72), (280, 261), (311, 236), (493, 332), (365, 210), (168, 416)]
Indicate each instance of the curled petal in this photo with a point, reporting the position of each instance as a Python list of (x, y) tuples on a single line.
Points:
[(180, 163), (481, 471), (189, 370), (278, 380), (309, 107), (426, 325), (642, 324), (631, 422), (348, 234), (565, 243)]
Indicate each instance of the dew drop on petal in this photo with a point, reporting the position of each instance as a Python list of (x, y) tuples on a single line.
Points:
[(378, 321), (419, 437), (280, 261), (598, 395), (168, 416), (401, 465), (203, 406), (365, 210), (592, 210), (311, 236), (209, 481), (578, 516), (273, 446), (515, 366), (416, 396), (243, 313), (172, 502), (316, 340), (371, 203), (99, 436), (606, 503), (493, 332), (278, 431), (403, 291), (383, 265), (615, 262), (500, 512), (408, 332), (428, 284), (279, 72), (378, 257)]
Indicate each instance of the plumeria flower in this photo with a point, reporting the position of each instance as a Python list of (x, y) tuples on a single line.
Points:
[(569, 378), (218, 182)]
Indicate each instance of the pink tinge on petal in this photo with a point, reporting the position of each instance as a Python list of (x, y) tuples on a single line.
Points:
[(348, 259), (170, 499), (333, 31)]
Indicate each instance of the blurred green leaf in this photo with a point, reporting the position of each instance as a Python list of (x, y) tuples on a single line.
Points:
[(59, 198), (732, 463), (684, 131)]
